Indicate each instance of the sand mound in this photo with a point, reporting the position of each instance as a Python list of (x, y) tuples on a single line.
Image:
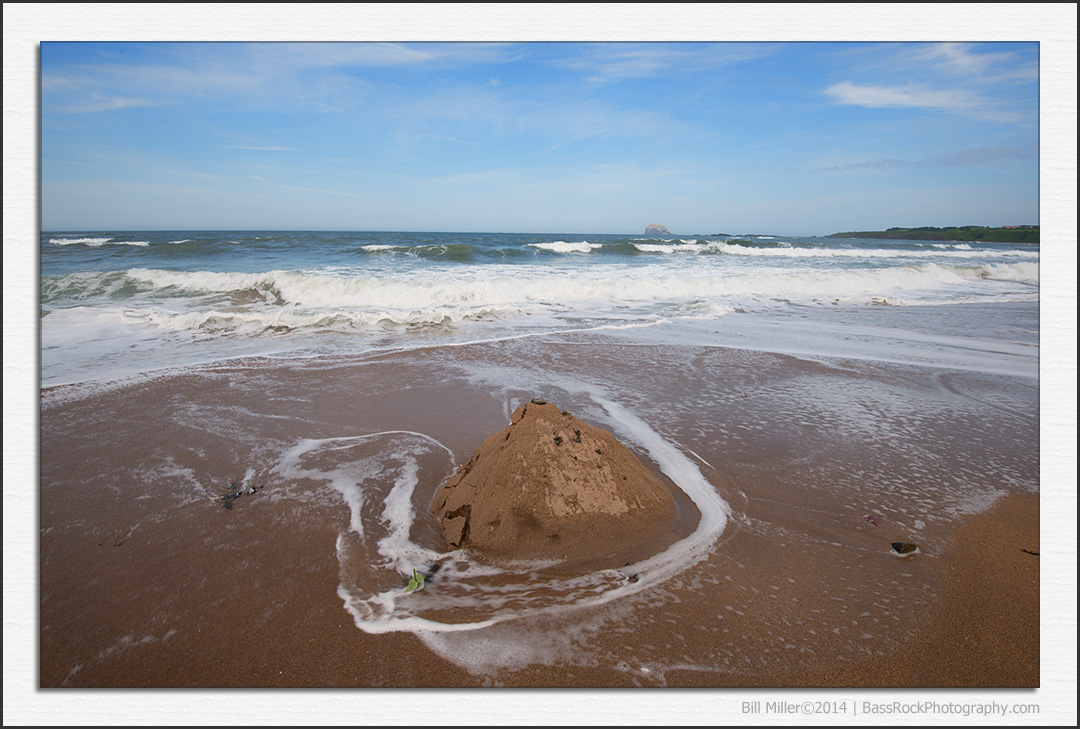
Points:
[(550, 486)]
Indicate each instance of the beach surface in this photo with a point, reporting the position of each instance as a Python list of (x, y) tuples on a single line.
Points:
[(253, 523)]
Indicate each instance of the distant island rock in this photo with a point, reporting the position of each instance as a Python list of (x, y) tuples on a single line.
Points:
[(656, 229)]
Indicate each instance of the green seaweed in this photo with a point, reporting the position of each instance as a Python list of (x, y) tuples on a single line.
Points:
[(415, 582)]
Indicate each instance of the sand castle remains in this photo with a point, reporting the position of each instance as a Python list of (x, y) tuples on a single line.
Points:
[(552, 487)]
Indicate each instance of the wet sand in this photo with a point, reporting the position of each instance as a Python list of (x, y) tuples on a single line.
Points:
[(984, 630), (147, 581)]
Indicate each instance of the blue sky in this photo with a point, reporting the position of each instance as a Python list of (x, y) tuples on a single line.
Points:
[(791, 138)]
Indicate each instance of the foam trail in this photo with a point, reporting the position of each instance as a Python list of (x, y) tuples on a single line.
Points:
[(714, 510), (506, 643), (478, 597), (345, 479)]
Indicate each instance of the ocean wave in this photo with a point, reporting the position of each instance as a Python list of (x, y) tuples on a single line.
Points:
[(560, 246), (510, 283), (679, 247), (778, 249), (953, 246), (445, 252), (854, 253), (1027, 273), (288, 300), (285, 320), (95, 242), (76, 287)]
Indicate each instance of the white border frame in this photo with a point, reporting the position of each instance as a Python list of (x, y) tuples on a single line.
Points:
[(27, 25)]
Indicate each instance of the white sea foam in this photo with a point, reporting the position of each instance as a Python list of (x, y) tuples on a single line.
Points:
[(735, 249), (679, 247), (289, 319), (784, 250), (560, 246), (952, 246), (339, 463), (509, 286), (94, 242), (1022, 272), (93, 322)]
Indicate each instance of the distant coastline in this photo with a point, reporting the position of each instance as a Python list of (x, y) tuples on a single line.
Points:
[(1010, 234)]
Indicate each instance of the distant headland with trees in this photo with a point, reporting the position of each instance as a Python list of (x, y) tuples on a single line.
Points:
[(1004, 234)]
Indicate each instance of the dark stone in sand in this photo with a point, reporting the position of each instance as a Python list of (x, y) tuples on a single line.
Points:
[(904, 547), (550, 486)]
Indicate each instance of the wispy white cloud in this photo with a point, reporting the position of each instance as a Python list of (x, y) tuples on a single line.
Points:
[(345, 55), (256, 178), (958, 58), (961, 59), (401, 137), (978, 155), (106, 103), (970, 157), (260, 149), (278, 56), (912, 95), (994, 82), (321, 77), (919, 96), (618, 62), (546, 119)]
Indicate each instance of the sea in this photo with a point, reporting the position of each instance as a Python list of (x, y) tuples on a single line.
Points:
[(258, 421), (125, 302)]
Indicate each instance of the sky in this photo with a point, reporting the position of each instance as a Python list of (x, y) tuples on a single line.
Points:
[(795, 138)]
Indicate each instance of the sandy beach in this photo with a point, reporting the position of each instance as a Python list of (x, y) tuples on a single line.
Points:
[(147, 580)]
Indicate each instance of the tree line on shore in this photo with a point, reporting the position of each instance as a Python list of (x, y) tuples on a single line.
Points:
[(1010, 234)]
